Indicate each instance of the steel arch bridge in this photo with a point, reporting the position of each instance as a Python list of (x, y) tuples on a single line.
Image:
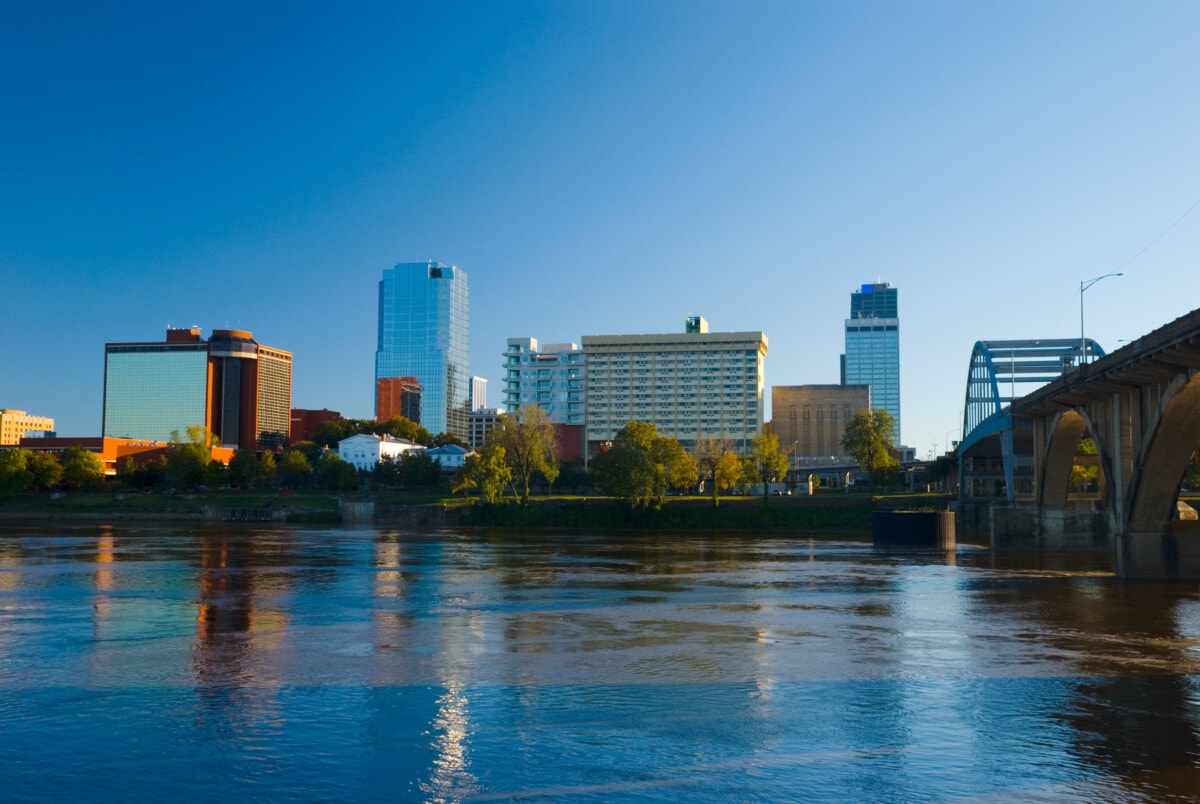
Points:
[(1016, 367), (1001, 372)]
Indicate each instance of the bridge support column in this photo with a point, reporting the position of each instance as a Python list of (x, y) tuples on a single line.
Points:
[(1173, 556)]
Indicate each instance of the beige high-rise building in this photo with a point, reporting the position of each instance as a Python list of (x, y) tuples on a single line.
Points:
[(694, 384), (809, 420), (14, 424)]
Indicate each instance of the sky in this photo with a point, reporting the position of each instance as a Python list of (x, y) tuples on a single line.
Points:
[(596, 168)]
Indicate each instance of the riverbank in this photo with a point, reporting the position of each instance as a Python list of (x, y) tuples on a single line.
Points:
[(834, 511)]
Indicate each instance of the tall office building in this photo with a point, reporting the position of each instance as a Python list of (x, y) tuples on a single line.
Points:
[(549, 375), (478, 393), (231, 384), (873, 347), (691, 385), (423, 310)]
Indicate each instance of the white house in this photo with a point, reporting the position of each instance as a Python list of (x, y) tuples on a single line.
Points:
[(366, 450), (449, 457)]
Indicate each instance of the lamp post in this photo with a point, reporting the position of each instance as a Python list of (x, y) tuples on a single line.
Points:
[(1084, 285)]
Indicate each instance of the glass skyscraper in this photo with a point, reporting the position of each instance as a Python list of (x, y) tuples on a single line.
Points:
[(236, 387), (423, 310), (873, 348)]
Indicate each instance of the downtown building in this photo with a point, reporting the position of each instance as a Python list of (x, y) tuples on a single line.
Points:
[(810, 420), (423, 316), (691, 385), (872, 355), (231, 384), (550, 376), (16, 424)]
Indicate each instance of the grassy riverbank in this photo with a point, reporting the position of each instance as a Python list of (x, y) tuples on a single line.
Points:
[(832, 511)]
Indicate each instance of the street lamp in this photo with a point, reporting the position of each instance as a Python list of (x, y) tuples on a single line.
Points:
[(1082, 287)]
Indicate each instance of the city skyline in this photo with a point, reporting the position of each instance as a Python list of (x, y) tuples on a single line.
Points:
[(595, 168)]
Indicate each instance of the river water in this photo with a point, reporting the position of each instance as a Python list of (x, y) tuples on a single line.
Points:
[(375, 664)]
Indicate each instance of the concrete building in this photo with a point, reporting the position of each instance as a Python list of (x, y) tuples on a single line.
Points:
[(551, 376), (478, 393), (481, 423), (872, 354), (366, 450), (810, 420), (397, 396), (231, 384), (14, 424), (423, 318), (697, 384)]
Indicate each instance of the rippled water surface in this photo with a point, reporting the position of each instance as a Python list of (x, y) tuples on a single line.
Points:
[(374, 664)]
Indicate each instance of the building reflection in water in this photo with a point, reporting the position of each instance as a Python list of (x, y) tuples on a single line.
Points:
[(236, 642)]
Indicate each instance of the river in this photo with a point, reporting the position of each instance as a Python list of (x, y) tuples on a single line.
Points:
[(208, 664)]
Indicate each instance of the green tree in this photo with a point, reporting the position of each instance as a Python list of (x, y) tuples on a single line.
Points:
[(47, 472), (15, 476), (728, 470), (294, 469), (484, 470), (528, 441), (266, 469), (868, 438), (447, 440), (215, 474), (641, 466), (336, 474), (767, 460), (418, 470), (400, 427), (243, 469), (712, 455), (188, 460), (82, 469)]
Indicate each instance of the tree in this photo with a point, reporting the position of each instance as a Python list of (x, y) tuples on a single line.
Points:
[(713, 460), (82, 468), (294, 469), (447, 440), (336, 474), (400, 427), (215, 474), (15, 476), (767, 461), (266, 469), (188, 460), (868, 438), (484, 470), (418, 470), (45, 469), (243, 469), (528, 442), (641, 465)]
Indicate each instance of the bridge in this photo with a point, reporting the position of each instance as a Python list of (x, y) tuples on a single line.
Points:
[(1024, 478)]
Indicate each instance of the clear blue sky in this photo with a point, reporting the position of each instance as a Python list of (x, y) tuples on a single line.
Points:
[(597, 168)]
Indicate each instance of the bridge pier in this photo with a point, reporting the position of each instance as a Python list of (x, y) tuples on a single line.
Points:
[(1173, 556), (1002, 525)]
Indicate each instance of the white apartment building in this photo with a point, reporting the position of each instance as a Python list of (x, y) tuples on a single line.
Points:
[(366, 450), (14, 424), (551, 376), (697, 384)]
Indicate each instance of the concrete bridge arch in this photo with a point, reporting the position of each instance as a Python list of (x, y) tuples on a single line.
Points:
[(1141, 406)]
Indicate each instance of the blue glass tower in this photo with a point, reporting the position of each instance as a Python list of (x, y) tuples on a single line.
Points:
[(873, 348), (423, 310)]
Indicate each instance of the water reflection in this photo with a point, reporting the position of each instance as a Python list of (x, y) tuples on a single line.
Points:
[(369, 663)]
